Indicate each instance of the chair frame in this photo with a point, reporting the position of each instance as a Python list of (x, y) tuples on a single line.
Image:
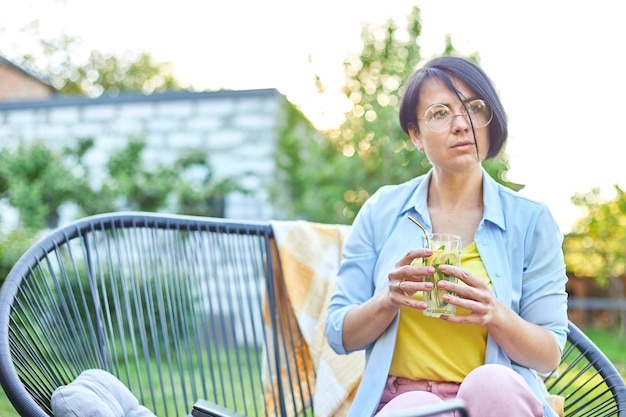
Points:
[(590, 383), (115, 254), (587, 380)]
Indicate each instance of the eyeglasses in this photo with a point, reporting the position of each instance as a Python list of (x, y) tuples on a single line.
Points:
[(438, 117)]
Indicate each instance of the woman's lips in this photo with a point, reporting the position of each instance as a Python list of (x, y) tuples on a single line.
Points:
[(464, 145)]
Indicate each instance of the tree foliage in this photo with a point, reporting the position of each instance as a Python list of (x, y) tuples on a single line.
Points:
[(99, 73), (38, 181), (198, 191), (13, 244), (596, 247), (135, 184), (332, 176)]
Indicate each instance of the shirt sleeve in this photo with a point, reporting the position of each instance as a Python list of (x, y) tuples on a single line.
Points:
[(544, 298), (355, 283)]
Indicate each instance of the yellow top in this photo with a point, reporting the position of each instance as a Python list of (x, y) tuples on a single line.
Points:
[(433, 349)]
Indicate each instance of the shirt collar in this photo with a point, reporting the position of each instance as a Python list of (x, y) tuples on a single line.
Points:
[(493, 211)]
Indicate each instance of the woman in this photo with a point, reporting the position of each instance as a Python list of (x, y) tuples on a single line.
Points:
[(511, 320)]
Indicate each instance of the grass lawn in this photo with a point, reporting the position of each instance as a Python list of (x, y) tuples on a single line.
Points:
[(610, 341), (612, 344), (6, 410)]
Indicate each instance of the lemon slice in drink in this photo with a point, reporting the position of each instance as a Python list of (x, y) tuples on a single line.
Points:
[(445, 258), (439, 258)]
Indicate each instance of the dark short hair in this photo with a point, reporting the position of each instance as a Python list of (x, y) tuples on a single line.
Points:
[(443, 68)]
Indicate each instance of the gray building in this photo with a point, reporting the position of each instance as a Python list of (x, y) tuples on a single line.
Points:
[(238, 129)]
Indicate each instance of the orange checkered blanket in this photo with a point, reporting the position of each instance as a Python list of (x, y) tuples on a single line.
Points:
[(310, 254)]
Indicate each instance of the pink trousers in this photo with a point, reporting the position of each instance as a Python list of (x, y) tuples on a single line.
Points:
[(488, 391)]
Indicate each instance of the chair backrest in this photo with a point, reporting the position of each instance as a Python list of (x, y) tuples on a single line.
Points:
[(589, 383), (178, 308)]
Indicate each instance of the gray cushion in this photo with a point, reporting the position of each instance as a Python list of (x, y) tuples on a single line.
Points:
[(96, 393)]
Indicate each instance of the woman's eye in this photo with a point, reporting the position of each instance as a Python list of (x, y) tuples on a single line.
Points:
[(477, 106), (440, 113)]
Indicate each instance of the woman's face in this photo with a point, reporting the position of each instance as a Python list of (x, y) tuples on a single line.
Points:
[(453, 148)]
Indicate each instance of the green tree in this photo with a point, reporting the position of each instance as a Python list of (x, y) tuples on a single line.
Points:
[(332, 178), (133, 183), (112, 74), (198, 191), (595, 248), (306, 160), (37, 180), (188, 185), (13, 244), (99, 73)]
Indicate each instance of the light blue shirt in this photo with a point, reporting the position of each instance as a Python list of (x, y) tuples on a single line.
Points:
[(519, 243)]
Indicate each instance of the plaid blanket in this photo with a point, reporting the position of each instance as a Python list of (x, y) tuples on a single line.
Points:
[(310, 254)]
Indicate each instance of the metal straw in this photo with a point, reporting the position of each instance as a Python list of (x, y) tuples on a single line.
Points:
[(423, 230)]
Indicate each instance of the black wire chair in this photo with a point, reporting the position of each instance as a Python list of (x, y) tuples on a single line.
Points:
[(178, 308), (588, 382)]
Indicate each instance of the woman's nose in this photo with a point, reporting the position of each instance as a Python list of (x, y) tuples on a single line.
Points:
[(460, 121)]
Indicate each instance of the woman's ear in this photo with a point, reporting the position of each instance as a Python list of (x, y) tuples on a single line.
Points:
[(416, 138)]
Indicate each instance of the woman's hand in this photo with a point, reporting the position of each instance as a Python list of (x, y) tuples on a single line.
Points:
[(475, 296), (526, 343), (407, 278), (364, 323)]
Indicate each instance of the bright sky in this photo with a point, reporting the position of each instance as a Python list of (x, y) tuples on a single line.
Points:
[(558, 64)]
